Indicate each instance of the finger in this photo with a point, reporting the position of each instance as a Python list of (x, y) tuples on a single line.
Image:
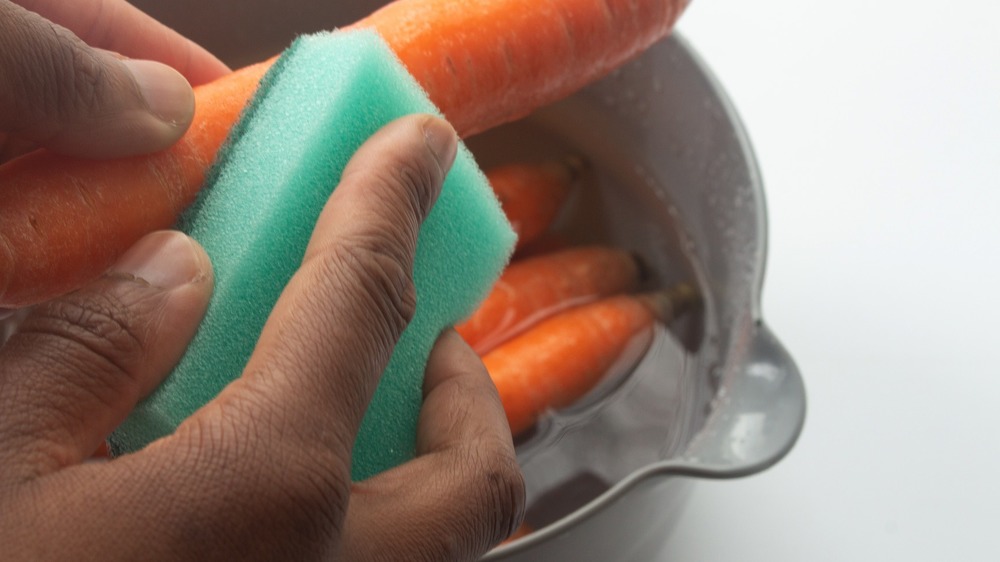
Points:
[(73, 99), (78, 365), (465, 493), (331, 332), (118, 26)]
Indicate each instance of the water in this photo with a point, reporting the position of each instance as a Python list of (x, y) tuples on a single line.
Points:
[(651, 407)]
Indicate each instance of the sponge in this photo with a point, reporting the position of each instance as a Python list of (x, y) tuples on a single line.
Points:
[(324, 97)]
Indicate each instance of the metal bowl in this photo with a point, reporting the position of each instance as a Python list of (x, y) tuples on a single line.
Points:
[(673, 178)]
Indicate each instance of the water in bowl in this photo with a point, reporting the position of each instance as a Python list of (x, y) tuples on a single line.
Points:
[(651, 404)]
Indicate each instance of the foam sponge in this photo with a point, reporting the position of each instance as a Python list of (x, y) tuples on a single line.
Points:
[(325, 96)]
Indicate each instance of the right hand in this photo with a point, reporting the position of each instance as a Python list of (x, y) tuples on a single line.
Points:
[(263, 471)]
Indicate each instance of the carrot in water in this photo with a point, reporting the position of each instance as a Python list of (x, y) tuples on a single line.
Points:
[(533, 194), (546, 243), (533, 289), (483, 62), (559, 360)]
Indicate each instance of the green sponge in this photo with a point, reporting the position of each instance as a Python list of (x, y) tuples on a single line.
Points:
[(323, 98)]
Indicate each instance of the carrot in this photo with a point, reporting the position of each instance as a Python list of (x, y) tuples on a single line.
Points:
[(533, 194), (533, 289), (562, 358), (483, 62), (102, 452), (523, 530), (546, 243), (486, 62)]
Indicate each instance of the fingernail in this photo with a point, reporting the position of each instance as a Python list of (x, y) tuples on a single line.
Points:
[(442, 141), (167, 93), (163, 259)]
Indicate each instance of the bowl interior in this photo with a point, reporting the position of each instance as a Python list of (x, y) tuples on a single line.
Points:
[(671, 178)]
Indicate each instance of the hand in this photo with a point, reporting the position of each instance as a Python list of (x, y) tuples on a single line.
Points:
[(263, 471), (67, 85)]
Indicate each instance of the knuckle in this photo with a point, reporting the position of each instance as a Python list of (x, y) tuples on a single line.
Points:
[(492, 488), (373, 271), (419, 182), (503, 494), (60, 77), (89, 80), (97, 334), (411, 182)]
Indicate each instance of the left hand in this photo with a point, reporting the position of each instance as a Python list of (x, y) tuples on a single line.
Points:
[(94, 78)]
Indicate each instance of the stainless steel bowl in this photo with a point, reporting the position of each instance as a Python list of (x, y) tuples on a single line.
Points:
[(673, 178)]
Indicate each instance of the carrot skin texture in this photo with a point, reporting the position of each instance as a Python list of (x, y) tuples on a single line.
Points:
[(534, 289), (501, 59), (532, 195), (482, 62), (559, 360)]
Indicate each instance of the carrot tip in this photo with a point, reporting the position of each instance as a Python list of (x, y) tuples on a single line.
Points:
[(673, 302)]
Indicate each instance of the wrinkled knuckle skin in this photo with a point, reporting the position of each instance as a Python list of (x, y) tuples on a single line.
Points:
[(55, 77), (420, 181), (97, 334), (491, 489), (90, 88), (412, 181), (503, 488), (372, 272), (84, 93)]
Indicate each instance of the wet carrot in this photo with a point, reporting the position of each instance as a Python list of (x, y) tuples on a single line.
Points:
[(559, 360), (504, 58), (533, 194), (483, 62), (533, 289)]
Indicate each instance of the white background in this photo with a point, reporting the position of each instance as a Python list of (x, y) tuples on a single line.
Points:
[(877, 127)]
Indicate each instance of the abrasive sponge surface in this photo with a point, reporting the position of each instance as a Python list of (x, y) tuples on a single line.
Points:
[(324, 97)]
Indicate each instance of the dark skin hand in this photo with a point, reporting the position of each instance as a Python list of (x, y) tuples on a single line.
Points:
[(262, 472)]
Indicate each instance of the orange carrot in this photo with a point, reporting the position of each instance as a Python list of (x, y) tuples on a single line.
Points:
[(546, 243), (533, 289), (102, 452), (483, 62), (486, 62), (562, 358), (523, 530), (533, 194)]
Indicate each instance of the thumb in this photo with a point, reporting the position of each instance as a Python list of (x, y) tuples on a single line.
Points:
[(73, 99)]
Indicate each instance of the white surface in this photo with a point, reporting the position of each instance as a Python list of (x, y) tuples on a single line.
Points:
[(877, 127)]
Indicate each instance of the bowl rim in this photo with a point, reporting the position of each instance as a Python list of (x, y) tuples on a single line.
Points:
[(784, 393)]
